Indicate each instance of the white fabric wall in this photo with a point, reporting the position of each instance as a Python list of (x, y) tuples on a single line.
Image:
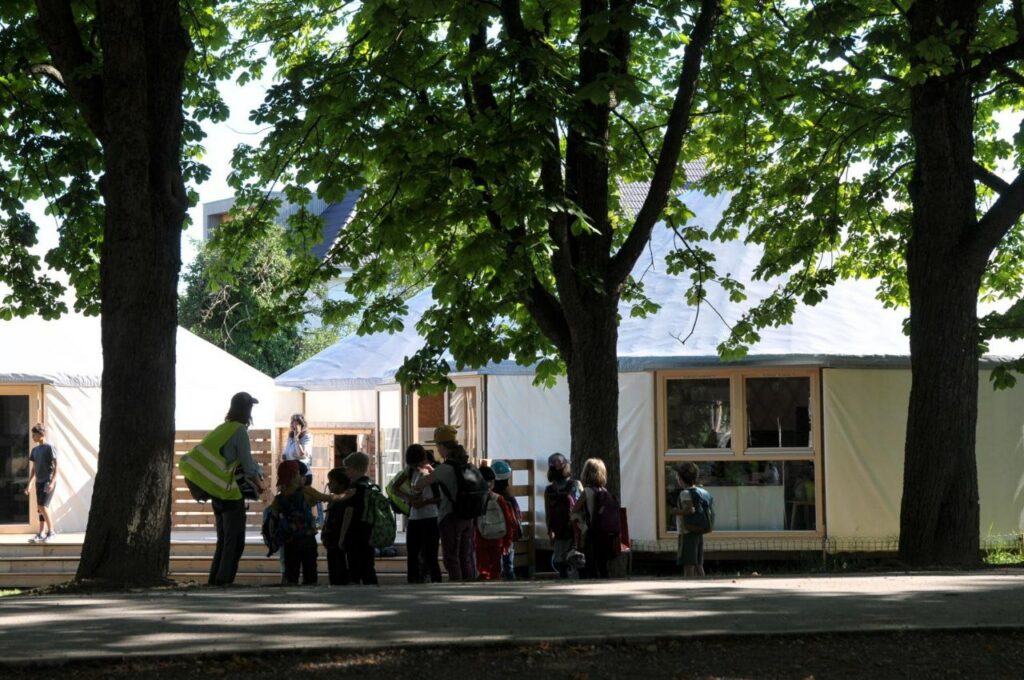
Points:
[(865, 427), (349, 406), (73, 417), (524, 421), (286, 402)]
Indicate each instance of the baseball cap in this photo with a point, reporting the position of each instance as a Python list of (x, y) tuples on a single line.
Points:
[(444, 433), (502, 470), (243, 399), (557, 461)]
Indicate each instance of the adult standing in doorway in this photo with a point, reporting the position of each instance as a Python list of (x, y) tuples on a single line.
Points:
[(229, 514), (300, 442), (43, 461), (456, 532)]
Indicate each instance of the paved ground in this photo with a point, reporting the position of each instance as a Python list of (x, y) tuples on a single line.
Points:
[(214, 620)]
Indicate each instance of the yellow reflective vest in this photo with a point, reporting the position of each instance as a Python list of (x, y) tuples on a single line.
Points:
[(205, 467)]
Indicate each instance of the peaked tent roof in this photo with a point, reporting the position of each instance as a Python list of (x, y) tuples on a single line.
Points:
[(851, 327), (68, 352)]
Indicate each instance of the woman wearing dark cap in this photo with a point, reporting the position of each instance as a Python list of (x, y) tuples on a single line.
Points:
[(229, 515)]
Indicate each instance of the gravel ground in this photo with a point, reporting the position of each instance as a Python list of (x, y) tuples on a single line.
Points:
[(917, 655)]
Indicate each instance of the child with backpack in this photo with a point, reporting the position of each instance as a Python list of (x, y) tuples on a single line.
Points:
[(560, 496), (294, 528), (693, 520), (462, 499), (598, 518), (502, 487), (356, 541), (422, 536), (494, 531), (336, 524)]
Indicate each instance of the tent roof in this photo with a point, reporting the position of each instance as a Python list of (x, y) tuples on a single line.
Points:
[(850, 328), (68, 352)]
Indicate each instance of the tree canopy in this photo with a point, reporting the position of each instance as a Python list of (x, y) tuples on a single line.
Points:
[(235, 312), (491, 140)]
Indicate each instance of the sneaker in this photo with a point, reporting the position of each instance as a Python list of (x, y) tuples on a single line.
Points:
[(48, 536), (38, 538)]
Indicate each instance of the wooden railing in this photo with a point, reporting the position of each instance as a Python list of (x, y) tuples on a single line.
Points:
[(187, 513)]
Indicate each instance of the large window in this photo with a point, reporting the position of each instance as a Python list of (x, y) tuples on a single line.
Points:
[(754, 435)]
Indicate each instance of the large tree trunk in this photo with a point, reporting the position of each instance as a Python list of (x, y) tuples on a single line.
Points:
[(939, 513), (592, 369), (144, 53)]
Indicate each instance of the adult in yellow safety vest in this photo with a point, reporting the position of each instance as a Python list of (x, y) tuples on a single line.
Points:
[(212, 466)]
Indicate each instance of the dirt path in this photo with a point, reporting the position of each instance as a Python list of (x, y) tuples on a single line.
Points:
[(869, 656)]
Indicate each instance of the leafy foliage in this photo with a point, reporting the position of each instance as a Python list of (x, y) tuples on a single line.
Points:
[(48, 153), (808, 118), (465, 122), (235, 310)]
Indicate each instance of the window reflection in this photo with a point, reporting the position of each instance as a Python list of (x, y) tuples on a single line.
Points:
[(698, 414), (752, 496), (778, 412)]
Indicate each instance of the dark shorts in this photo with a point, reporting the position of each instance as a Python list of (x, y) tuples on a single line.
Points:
[(43, 496), (692, 552)]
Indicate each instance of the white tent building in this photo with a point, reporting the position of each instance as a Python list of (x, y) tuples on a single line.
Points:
[(50, 372), (801, 442)]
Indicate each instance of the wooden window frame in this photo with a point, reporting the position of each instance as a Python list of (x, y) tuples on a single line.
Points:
[(738, 450)]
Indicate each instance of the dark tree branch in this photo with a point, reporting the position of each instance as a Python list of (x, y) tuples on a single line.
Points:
[(999, 219), (49, 72), (668, 158), (483, 93), (57, 27), (1011, 75), (996, 59), (990, 179), (546, 312)]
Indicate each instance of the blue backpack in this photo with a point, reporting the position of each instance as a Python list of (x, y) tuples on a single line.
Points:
[(702, 519), (294, 518)]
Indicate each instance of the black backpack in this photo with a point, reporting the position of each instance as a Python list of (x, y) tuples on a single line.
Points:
[(702, 519), (470, 491)]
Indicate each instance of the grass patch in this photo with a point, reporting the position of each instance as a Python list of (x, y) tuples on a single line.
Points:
[(5, 593), (1004, 556)]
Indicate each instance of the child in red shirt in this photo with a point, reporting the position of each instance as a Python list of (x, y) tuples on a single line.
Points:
[(495, 531)]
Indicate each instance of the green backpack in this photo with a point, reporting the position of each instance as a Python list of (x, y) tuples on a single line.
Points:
[(377, 513)]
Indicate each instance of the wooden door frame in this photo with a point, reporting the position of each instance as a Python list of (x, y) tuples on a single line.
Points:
[(34, 392)]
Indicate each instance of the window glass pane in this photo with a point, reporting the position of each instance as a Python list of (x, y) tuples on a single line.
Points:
[(14, 466), (462, 412), (753, 496), (778, 412), (698, 414)]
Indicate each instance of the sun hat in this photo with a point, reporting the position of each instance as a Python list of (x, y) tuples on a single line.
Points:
[(444, 434)]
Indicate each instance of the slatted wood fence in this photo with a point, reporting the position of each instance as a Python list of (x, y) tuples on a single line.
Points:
[(187, 513)]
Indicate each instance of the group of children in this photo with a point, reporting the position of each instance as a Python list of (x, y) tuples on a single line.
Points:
[(583, 520), (488, 552), (291, 527)]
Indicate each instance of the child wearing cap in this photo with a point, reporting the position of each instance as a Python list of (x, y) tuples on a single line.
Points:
[(559, 498), (293, 507), (502, 481), (495, 531)]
